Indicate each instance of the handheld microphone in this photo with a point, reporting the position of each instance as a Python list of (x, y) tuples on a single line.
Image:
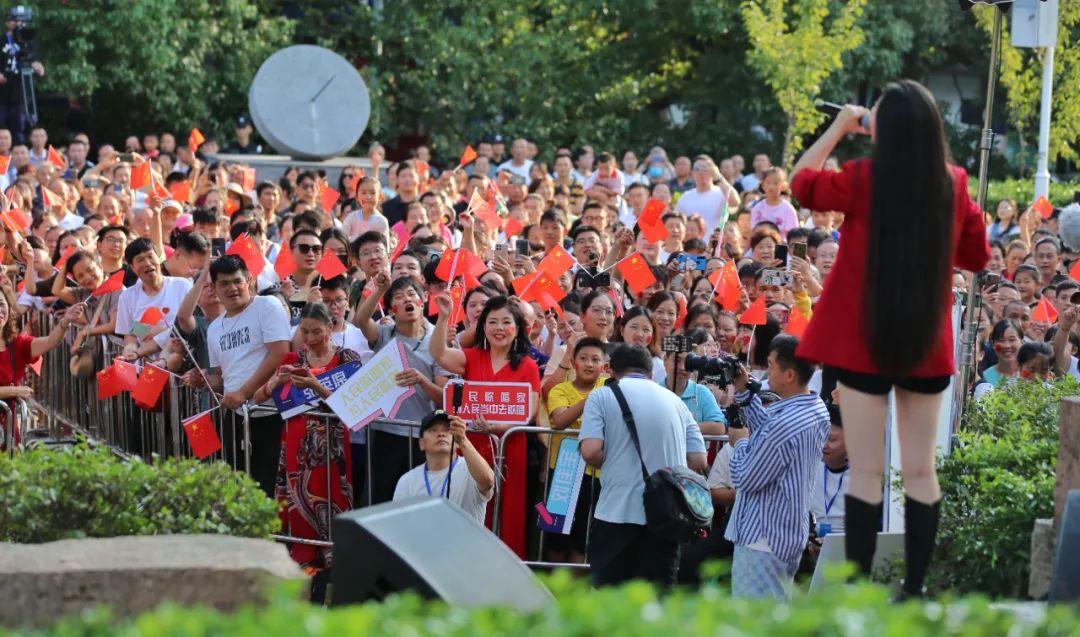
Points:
[(830, 108)]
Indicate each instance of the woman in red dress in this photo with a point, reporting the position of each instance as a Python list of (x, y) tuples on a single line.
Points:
[(302, 471), (883, 319), (501, 355)]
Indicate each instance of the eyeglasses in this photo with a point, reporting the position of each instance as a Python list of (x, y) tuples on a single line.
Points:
[(377, 252), (307, 185), (337, 302), (309, 248), (113, 239), (602, 311)]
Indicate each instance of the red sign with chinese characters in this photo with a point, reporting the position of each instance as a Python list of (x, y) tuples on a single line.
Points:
[(499, 403)]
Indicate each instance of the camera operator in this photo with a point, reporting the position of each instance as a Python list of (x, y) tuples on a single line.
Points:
[(772, 471), (17, 52)]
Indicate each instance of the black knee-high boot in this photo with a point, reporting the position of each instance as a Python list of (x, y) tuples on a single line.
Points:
[(920, 534), (861, 523)]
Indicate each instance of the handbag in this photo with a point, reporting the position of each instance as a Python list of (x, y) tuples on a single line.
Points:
[(678, 506)]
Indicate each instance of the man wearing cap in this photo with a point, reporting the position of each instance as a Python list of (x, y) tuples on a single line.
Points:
[(469, 484), (243, 145)]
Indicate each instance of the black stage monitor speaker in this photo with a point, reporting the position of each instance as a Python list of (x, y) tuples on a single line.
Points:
[(1065, 582), (430, 546)]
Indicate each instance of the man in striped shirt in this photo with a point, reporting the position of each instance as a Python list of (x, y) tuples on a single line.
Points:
[(772, 472)]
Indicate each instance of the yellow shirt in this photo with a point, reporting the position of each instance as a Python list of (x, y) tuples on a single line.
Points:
[(566, 395)]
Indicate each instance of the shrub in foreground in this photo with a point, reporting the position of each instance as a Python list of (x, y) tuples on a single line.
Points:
[(998, 479), (632, 610), (83, 491)]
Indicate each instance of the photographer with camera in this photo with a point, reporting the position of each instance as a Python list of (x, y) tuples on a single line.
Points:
[(772, 471), (17, 107)]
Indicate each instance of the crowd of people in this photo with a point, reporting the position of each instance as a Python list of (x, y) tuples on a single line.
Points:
[(556, 268)]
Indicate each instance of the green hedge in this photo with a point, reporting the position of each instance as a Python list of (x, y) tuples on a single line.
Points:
[(633, 610), (997, 481), (52, 494), (1022, 191)]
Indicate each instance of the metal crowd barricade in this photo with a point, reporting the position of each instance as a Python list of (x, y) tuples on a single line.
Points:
[(500, 459)]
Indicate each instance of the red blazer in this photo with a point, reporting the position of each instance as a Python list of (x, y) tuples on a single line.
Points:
[(835, 336)]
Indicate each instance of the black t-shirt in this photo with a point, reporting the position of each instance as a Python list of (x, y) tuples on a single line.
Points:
[(251, 149), (394, 210)]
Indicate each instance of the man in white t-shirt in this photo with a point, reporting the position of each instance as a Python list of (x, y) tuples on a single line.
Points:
[(519, 163), (831, 480), (708, 200), (469, 484), (165, 293), (246, 345)]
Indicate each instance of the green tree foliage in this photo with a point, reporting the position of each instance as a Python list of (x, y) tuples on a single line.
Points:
[(796, 46), (1021, 78), (140, 66)]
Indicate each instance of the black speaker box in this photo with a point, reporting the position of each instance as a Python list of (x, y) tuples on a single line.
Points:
[(1065, 582), (431, 546)]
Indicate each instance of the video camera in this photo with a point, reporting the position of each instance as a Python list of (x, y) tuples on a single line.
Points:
[(22, 15), (720, 371)]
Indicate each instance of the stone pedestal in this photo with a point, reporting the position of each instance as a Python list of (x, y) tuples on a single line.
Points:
[(1068, 464), (41, 582), (1043, 540)]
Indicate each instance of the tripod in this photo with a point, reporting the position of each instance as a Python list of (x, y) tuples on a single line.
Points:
[(26, 78), (969, 334)]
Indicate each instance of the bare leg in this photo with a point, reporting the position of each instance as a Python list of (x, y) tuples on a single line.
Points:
[(917, 416), (864, 435)]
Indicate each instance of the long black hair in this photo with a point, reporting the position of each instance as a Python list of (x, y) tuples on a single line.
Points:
[(911, 230), (519, 347)]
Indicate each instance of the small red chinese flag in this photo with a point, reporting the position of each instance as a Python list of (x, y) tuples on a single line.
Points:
[(64, 256), (512, 227), (556, 262), (248, 179), (56, 159), (285, 264), (1043, 207), (542, 283), (107, 387), (550, 303), (246, 248), (5, 163), (729, 293), (50, 198), (467, 156), (651, 213), (1074, 272), (653, 233), (328, 198), (159, 190), (195, 139), (230, 207), (457, 314), (181, 191), (152, 316), (636, 272), (1044, 312), (126, 376), (140, 176), (202, 435), (148, 388), (15, 220), (36, 365), (330, 266), (797, 323), (755, 314), (114, 283)]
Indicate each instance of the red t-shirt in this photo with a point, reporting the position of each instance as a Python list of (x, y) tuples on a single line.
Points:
[(21, 347), (478, 368)]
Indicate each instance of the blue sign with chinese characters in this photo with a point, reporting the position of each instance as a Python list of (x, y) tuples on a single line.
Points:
[(296, 401)]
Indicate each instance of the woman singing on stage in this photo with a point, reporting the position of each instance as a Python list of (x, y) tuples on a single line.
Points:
[(883, 320)]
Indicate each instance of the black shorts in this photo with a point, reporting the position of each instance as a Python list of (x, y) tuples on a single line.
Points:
[(876, 385)]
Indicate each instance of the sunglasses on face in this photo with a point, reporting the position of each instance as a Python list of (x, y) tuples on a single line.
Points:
[(309, 248)]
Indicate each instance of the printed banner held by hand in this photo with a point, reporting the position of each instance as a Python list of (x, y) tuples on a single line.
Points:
[(372, 392)]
